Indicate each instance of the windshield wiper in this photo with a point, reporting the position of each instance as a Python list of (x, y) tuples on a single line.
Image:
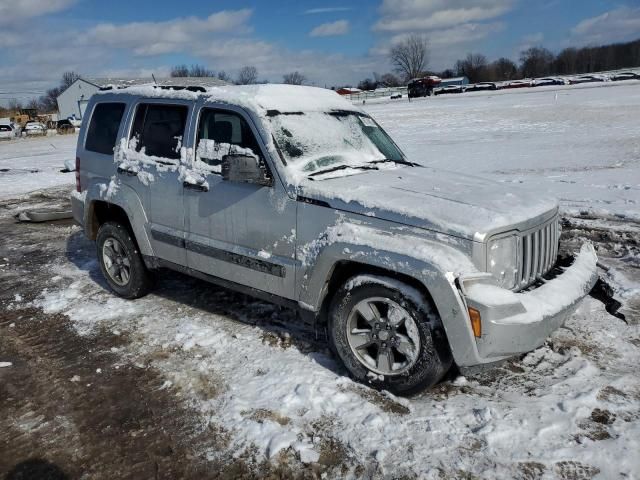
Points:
[(342, 167), (400, 162)]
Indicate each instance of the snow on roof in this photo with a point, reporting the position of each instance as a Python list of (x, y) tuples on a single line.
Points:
[(261, 98)]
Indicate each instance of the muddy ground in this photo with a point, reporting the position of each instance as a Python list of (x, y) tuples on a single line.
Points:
[(123, 423)]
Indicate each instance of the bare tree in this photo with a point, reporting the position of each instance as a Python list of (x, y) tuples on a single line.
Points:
[(411, 56), (193, 71), (473, 67), (536, 62), (179, 71), (247, 75), (388, 80), (68, 78), (15, 105), (224, 76), (294, 78), (504, 69)]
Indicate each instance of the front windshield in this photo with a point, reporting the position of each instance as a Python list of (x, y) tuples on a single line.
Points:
[(316, 142)]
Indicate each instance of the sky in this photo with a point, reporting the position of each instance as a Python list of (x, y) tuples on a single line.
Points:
[(331, 42)]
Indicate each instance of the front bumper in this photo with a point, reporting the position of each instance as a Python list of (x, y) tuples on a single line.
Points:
[(514, 323)]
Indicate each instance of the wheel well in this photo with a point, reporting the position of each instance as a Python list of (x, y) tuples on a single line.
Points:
[(344, 270), (102, 212)]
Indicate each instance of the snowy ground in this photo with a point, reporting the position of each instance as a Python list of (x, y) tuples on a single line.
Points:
[(580, 145), (34, 163), (244, 386)]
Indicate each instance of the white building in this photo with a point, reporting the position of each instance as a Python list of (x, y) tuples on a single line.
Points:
[(73, 101)]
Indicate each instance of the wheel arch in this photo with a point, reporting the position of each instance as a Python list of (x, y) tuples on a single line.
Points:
[(124, 207), (343, 270)]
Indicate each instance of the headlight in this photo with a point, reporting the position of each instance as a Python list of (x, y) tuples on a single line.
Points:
[(502, 260)]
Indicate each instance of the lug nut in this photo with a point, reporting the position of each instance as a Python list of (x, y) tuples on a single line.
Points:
[(384, 345)]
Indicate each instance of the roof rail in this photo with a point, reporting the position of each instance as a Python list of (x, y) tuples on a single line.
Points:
[(190, 88)]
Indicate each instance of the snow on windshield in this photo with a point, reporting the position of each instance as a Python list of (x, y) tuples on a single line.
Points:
[(316, 142)]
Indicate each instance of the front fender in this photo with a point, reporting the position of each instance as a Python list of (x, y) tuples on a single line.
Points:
[(432, 263)]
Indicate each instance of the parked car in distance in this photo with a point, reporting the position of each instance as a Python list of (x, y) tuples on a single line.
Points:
[(294, 195), (422, 87), (548, 81), (587, 79), (7, 131), (65, 126), (34, 128), (625, 76), (449, 89), (477, 87), (517, 84)]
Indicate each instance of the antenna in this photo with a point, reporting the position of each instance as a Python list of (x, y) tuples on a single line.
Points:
[(154, 79)]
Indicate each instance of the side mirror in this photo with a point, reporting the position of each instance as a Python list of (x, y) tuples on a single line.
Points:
[(244, 169)]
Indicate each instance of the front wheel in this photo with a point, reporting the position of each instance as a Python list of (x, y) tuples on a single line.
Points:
[(121, 262), (387, 334)]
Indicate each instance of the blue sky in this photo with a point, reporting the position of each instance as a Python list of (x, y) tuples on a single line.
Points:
[(331, 42)]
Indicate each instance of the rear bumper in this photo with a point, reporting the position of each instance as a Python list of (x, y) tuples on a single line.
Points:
[(514, 323), (77, 207)]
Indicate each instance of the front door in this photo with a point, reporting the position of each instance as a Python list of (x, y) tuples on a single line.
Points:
[(241, 232)]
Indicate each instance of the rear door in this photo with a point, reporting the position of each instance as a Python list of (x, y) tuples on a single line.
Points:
[(156, 147)]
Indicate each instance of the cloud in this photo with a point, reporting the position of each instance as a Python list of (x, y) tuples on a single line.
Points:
[(416, 15), (452, 27), (221, 41), (12, 12), (156, 38), (331, 29), (618, 25), (313, 11)]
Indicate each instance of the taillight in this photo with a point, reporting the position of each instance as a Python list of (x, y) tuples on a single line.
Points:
[(78, 187)]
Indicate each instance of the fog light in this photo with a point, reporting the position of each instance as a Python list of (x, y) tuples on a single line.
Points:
[(476, 323)]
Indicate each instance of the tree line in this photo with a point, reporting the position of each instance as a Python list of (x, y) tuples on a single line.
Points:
[(541, 62), (247, 75), (411, 57)]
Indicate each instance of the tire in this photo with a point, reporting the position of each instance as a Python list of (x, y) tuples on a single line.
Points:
[(117, 246), (429, 357)]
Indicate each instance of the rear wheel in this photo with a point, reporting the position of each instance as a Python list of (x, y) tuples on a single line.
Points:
[(388, 335), (121, 262)]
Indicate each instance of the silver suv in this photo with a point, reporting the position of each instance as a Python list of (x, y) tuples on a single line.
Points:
[(293, 195)]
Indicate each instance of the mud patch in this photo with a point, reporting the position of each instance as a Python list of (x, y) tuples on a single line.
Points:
[(530, 470), (570, 470), (379, 399), (262, 414), (108, 420)]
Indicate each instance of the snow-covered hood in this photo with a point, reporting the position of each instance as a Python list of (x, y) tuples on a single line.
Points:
[(439, 200)]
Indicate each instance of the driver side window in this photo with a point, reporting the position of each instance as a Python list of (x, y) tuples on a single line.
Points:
[(220, 133)]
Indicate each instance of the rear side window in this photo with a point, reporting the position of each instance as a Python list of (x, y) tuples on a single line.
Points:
[(158, 129), (5, 128), (104, 126)]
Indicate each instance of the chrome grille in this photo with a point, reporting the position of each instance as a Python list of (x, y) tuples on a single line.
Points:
[(538, 250)]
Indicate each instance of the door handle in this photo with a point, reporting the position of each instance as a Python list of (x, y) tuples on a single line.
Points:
[(199, 187), (128, 172)]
